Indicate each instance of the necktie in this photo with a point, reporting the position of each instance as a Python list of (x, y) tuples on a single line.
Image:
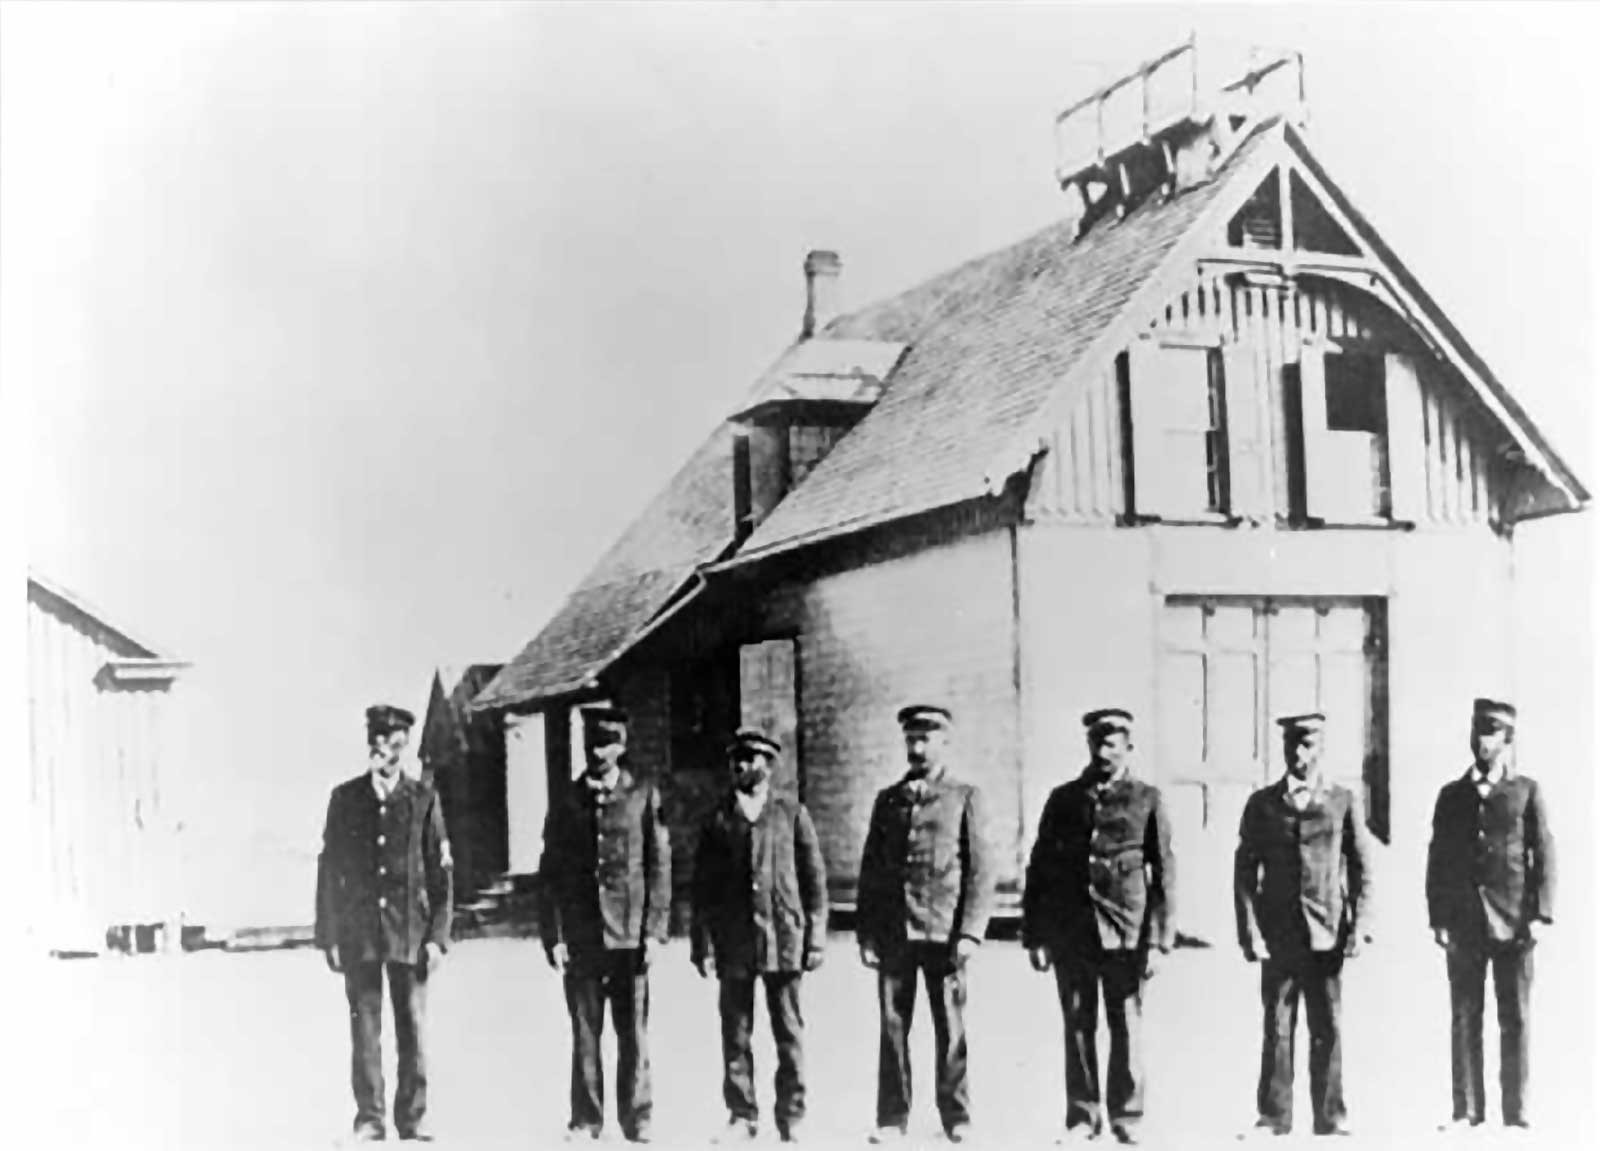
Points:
[(1484, 785)]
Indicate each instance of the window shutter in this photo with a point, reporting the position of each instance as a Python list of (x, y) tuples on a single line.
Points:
[(1147, 389), (1249, 480), (1322, 496), (1408, 496)]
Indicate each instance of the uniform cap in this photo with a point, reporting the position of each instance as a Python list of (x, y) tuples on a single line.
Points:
[(924, 717), (1497, 710), (1108, 719), (382, 718), (754, 739), (1306, 721)]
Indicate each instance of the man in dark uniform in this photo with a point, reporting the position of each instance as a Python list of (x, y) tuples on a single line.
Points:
[(383, 906), (606, 882), (1300, 883), (1099, 895), (1491, 886), (760, 910), (922, 906)]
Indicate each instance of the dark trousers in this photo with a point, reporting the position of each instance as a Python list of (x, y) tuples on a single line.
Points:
[(592, 980), (1316, 976), (736, 1000), (947, 997), (1080, 981), (1512, 964), (408, 994)]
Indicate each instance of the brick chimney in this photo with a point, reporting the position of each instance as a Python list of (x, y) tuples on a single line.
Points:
[(822, 291)]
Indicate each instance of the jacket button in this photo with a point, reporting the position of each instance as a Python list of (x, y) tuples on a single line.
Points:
[(382, 902), (383, 871)]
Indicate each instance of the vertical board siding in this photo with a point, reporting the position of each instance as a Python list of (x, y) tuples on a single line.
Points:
[(935, 626), (1079, 479), (96, 779)]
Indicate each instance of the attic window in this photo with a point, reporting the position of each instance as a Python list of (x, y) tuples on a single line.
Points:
[(1315, 229), (1355, 393), (1259, 224)]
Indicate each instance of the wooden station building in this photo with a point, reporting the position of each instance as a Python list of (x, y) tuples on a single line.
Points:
[(1205, 449)]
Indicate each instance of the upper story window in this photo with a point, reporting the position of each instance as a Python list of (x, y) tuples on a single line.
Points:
[(1202, 450)]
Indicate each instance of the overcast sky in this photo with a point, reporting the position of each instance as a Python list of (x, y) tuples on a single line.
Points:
[(348, 336)]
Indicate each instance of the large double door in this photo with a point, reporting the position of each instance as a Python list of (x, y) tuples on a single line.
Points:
[(1228, 668)]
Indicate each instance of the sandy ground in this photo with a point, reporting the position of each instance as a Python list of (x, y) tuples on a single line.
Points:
[(214, 1050)]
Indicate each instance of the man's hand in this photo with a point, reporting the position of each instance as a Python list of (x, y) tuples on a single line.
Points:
[(1040, 958), (557, 956), (646, 954), (432, 956), (1253, 952), (869, 956), (966, 947), (1441, 936), (813, 959), (705, 965), (1534, 929), (1154, 958), (1354, 943), (335, 963)]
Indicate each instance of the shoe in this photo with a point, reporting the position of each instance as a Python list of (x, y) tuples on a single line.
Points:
[(887, 1134), (368, 1133), (738, 1130), (417, 1135), (958, 1132), (640, 1134), (578, 1133), (1518, 1126), (789, 1132), (1125, 1134), (1338, 1129), (1264, 1129), (1460, 1125), (1077, 1133)]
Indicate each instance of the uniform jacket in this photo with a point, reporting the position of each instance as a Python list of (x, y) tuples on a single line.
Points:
[(1491, 863), (927, 872), (383, 878), (1101, 869), (1300, 877), (606, 872), (760, 889)]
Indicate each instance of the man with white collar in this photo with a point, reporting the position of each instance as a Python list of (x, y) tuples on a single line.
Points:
[(760, 911), (1300, 900), (1490, 887), (1099, 896), (922, 906), (606, 892), (384, 904)]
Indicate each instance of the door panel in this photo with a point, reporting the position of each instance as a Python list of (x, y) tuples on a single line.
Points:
[(1228, 669), (767, 700)]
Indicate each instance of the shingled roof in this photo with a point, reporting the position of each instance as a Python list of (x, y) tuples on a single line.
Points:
[(991, 345), (989, 340), (689, 523)]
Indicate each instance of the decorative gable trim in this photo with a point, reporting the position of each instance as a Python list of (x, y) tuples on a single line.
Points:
[(1376, 269)]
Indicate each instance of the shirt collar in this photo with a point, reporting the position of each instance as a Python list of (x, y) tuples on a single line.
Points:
[(381, 789), (1114, 778), (1494, 776), (751, 804), (918, 782), (606, 784)]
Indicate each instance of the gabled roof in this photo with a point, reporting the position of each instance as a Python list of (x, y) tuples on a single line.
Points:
[(130, 649), (995, 346), (990, 342)]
